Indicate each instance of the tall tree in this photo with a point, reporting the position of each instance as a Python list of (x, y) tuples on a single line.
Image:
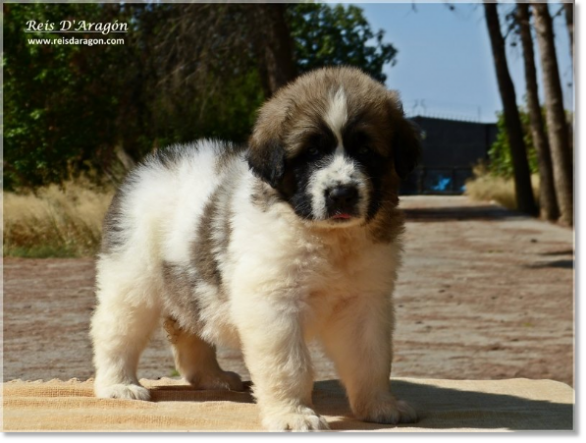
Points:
[(276, 45), (523, 190), (569, 13), (547, 198), (558, 131), (338, 35)]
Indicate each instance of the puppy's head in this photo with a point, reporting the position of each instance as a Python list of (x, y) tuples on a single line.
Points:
[(334, 144)]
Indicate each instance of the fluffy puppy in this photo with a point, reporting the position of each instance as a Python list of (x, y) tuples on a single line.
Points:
[(295, 238)]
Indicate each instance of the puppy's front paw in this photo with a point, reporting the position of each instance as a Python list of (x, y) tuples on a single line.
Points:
[(129, 392), (386, 410), (301, 418)]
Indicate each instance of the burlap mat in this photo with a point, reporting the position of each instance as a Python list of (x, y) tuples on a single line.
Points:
[(447, 405)]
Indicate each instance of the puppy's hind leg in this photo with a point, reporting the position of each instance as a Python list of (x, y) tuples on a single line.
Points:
[(121, 327), (196, 361)]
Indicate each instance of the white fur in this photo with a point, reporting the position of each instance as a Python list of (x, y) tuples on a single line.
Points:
[(285, 283), (341, 170), (337, 169), (337, 113)]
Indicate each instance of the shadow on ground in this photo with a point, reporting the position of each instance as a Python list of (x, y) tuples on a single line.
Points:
[(562, 252), (563, 264), (451, 213), (437, 407), (443, 408)]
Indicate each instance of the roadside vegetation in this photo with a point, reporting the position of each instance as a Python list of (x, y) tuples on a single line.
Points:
[(55, 220), (494, 180), (486, 186)]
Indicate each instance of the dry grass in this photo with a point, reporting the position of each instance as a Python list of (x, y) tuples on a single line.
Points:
[(486, 187), (55, 221)]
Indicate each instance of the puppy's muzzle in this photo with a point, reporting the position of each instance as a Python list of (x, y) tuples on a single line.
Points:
[(342, 201)]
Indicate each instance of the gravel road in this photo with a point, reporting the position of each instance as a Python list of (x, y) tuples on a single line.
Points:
[(483, 294)]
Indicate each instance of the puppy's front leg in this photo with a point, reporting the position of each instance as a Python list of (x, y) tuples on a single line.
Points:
[(358, 338), (279, 363)]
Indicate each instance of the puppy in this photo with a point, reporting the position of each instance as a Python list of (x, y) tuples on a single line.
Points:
[(295, 238)]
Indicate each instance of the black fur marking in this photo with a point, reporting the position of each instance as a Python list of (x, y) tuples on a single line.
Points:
[(299, 174), (316, 147), (359, 145), (318, 144), (268, 162)]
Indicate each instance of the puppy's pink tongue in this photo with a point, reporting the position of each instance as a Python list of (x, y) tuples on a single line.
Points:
[(343, 216)]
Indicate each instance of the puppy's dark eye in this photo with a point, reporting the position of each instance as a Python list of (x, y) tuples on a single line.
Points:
[(363, 151), (313, 152)]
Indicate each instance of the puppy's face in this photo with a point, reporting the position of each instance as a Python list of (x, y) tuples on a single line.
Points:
[(333, 144)]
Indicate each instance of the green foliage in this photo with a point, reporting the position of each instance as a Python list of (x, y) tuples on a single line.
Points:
[(337, 35), (58, 99), (68, 109), (227, 113), (501, 162)]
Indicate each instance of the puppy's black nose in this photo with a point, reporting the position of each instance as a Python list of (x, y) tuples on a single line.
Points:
[(343, 196)]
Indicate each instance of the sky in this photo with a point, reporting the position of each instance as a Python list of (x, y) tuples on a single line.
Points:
[(444, 64)]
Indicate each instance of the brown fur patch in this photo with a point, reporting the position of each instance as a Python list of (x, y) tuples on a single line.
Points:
[(300, 108), (202, 252), (111, 227), (169, 157), (389, 221), (388, 224), (213, 235), (227, 156), (181, 283), (172, 329), (263, 196)]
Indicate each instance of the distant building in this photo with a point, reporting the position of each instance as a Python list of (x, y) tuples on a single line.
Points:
[(450, 149)]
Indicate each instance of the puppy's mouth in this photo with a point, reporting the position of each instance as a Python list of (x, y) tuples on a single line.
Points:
[(342, 216), (342, 202)]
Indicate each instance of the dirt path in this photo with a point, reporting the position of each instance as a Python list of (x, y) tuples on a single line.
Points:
[(483, 294)]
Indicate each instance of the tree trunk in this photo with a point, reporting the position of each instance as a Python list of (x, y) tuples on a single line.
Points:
[(569, 11), (276, 48), (547, 198), (523, 191), (558, 133)]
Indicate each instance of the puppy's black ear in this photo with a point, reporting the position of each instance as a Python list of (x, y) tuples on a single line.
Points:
[(406, 147), (266, 153), (266, 159)]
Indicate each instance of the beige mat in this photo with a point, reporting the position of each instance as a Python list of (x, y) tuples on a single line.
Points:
[(446, 405)]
